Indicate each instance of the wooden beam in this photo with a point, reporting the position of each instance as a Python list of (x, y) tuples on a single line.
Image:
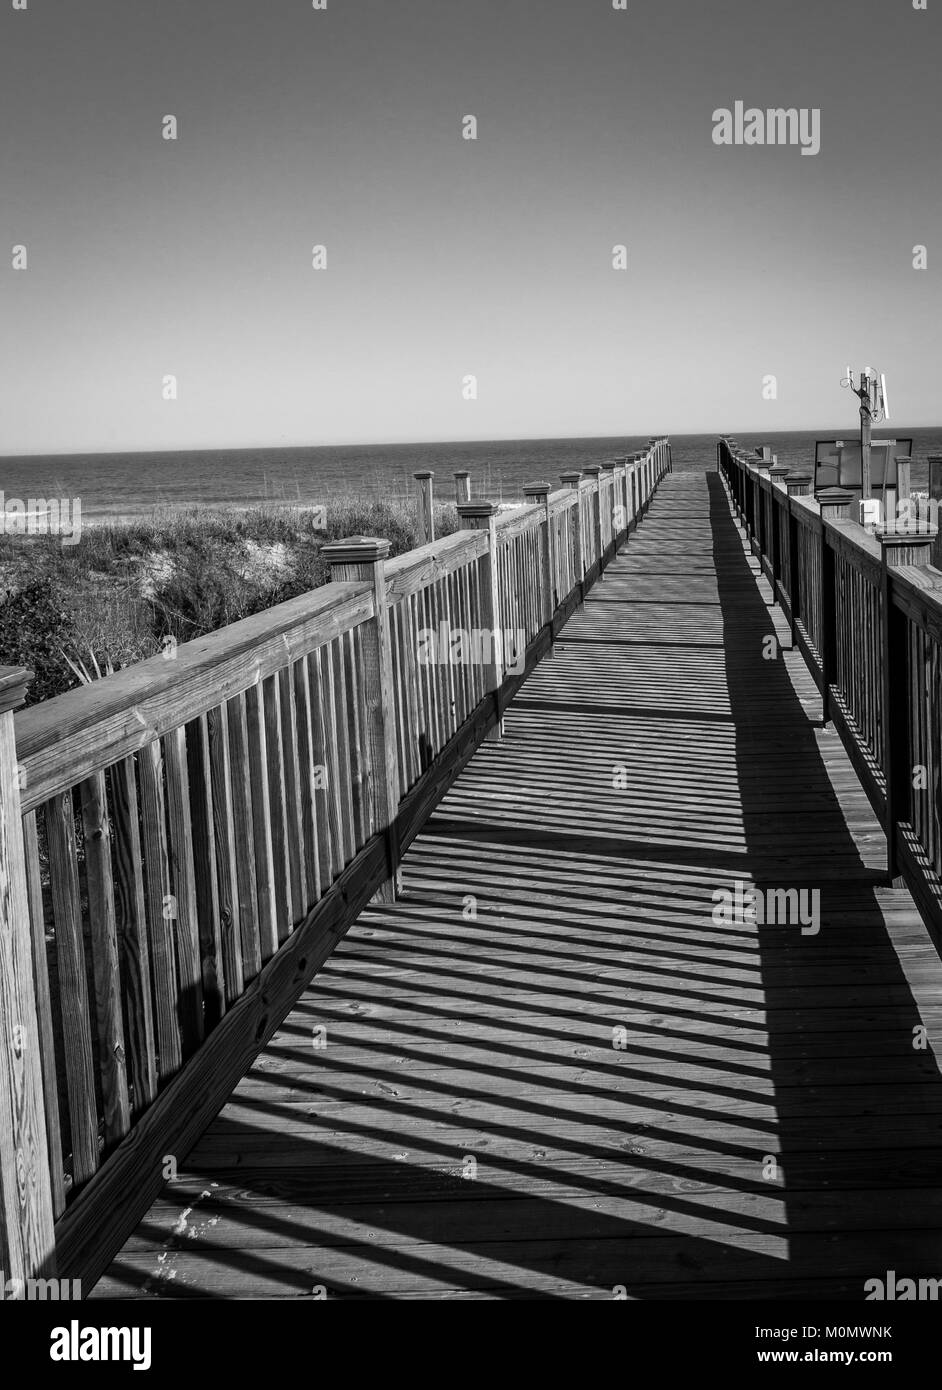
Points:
[(26, 1210)]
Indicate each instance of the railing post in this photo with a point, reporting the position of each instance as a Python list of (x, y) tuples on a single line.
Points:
[(359, 558), (777, 475), (593, 473), (653, 450), (571, 480), (762, 467), (462, 486), (538, 494), (482, 516), (835, 504), (903, 466), (425, 509), (622, 485), (935, 471), (641, 501), (27, 1239), (897, 548), (796, 485), (609, 466)]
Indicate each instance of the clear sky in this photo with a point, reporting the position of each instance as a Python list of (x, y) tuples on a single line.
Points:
[(448, 257)]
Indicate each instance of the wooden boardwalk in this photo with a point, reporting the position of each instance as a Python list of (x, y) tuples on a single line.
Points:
[(451, 1111)]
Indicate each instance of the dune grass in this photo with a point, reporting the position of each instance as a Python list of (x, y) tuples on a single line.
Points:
[(70, 613)]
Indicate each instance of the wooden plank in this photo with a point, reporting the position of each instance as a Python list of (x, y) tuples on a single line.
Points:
[(26, 1197), (229, 899), (307, 793), (327, 796), (257, 740), (293, 816), (73, 988), (44, 1012), (275, 757), (243, 836), (205, 871), (160, 909), (183, 904), (133, 943), (112, 1066)]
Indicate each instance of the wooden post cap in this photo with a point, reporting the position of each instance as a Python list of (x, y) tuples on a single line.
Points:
[(479, 507), (539, 489), (835, 503), (460, 473), (13, 684), (423, 475), (905, 547), (609, 465), (621, 460), (572, 478), (593, 469), (356, 550), (779, 470), (798, 483)]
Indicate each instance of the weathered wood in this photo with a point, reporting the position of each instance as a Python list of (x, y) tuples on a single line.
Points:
[(278, 806), (257, 747), (44, 1013), (491, 1035), (243, 838), (112, 1067), (224, 840), (182, 906), (63, 740), (26, 1198), (95, 1225), (363, 559), (313, 827), (194, 889), (160, 909), (73, 989), (425, 508), (205, 872), (482, 517)]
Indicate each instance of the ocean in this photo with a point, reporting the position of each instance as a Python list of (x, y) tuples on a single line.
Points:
[(116, 487)]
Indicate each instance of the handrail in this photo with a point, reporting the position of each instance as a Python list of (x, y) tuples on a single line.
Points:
[(866, 613), (184, 842)]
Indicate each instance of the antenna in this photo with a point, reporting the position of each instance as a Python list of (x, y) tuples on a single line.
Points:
[(884, 399)]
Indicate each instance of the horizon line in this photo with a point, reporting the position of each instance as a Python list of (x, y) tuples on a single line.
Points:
[(424, 443)]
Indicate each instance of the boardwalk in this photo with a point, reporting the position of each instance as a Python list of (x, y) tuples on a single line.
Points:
[(476, 1126)]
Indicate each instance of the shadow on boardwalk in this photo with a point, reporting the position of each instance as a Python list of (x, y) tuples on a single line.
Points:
[(548, 1071)]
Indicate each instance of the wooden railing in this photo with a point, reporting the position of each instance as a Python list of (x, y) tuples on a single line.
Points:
[(183, 843), (866, 612)]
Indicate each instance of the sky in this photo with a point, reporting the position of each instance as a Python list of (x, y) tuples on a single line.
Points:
[(450, 258)]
